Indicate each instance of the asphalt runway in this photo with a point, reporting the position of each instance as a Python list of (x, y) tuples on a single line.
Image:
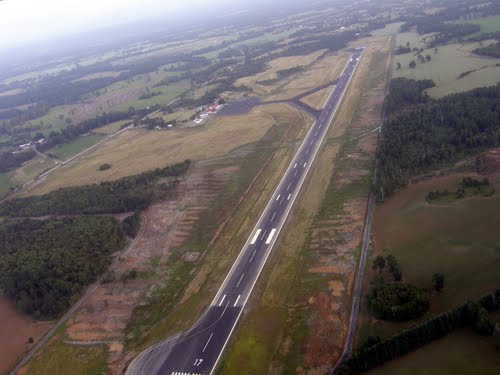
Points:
[(198, 350)]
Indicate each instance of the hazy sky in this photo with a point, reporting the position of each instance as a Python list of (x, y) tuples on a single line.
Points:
[(30, 20)]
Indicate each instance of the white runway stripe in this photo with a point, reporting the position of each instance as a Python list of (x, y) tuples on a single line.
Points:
[(270, 237), (255, 236)]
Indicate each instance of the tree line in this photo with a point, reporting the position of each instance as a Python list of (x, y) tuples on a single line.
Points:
[(377, 352), (44, 265), (419, 138), (126, 194)]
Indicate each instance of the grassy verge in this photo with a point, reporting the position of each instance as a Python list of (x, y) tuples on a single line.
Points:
[(61, 358)]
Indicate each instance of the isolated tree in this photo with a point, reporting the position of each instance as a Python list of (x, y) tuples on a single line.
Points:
[(436, 50), (412, 64), (438, 281), (379, 263), (428, 57), (398, 65)]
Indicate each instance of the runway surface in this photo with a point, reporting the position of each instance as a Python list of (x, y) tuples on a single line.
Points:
[(198, 350)]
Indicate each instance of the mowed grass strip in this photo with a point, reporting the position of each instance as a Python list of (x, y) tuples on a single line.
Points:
[(138, 150)]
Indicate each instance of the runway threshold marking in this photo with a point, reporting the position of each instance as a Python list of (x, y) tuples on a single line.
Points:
[(305, 164), (270, 237), (295, 165), (255, 236), (237, 299), (289, 195), (278, 197), (222, 300), (210, 338)]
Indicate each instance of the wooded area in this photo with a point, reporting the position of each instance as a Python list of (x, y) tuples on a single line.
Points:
[(126, 194), (44, 265), (422, 137)]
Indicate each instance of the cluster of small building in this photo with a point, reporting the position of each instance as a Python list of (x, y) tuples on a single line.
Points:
[(28, 145), (204, 112)]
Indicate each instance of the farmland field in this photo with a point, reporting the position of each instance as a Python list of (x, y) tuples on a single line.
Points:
[(447, 65), (487, 24)]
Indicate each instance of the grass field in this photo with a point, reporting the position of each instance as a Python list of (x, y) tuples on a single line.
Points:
[(446, 66), (459, 240), (461, 353), (271, 73), (60, 358), (326, 69), (318, 99), (5, 183), (111, 128), (138, 150), (67, 150), (487, 24)]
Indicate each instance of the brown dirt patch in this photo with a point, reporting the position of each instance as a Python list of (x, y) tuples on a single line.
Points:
[(15, 330)]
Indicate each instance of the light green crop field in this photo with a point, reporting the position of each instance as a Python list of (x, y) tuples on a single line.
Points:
[(446, 66), (67, 150)]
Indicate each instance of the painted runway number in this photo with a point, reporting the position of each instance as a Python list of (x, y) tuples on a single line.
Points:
[(198, 362)]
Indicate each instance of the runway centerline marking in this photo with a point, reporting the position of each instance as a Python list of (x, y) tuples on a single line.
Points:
[(305, 164), (205, 347), (255, 252), (288, 186), (237, 299), (295, 165), (273, 216), (270, 237), (239, 281), (222, 300), (255, 236)]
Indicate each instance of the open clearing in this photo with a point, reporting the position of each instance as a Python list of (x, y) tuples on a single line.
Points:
[(15, 330), (326, 69), (67, 150), (112, 128), (447, 65), (458, 239), (318, 99), (461, 353), (487, 24), (137, 150), (276, 65)]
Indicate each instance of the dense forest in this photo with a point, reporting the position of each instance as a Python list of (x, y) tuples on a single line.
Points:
[(126, 194), (45, 264), (426, 136)]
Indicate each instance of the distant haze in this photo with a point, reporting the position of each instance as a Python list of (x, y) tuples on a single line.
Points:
[(25, 21)]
